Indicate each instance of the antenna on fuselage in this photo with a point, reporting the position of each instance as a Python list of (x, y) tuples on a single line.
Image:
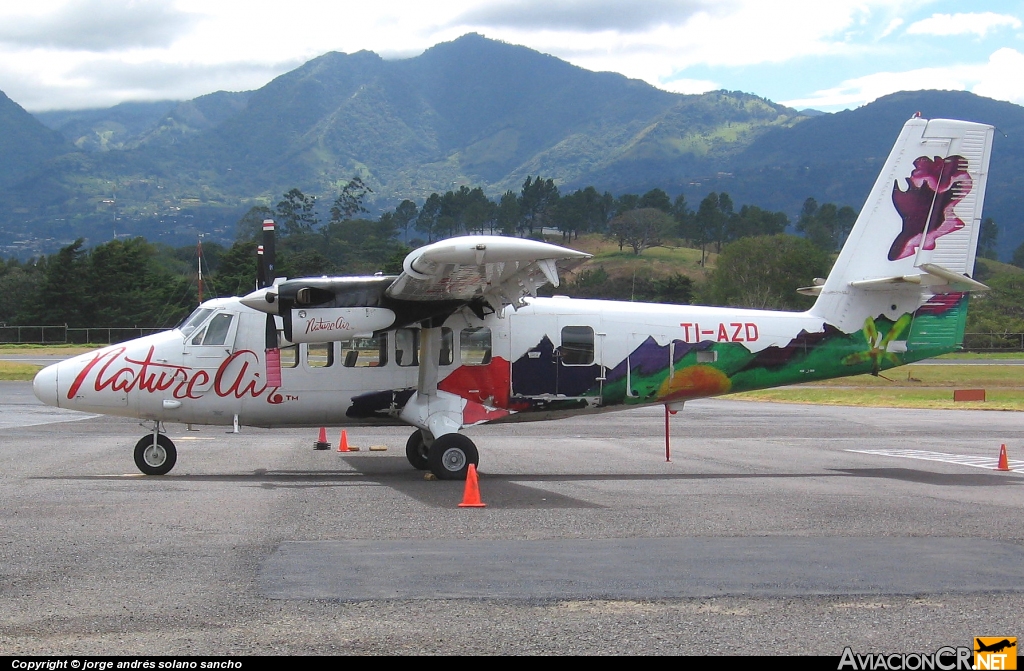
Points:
[(199, 255)]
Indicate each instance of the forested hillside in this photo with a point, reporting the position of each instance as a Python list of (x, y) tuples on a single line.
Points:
[(471, 113), (646, 247)]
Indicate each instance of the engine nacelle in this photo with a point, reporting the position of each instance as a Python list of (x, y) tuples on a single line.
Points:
[(330, 324), (325, 309)]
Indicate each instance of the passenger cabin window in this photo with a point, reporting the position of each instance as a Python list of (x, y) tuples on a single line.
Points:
[(475, 346), (577, 346), (320, 355), (407, 347), (290, 356), (364, 352)]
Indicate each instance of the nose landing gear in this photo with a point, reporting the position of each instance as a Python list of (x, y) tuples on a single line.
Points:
[(155, 454)]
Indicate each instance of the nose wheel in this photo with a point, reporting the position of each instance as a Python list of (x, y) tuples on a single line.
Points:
[(155, 454)]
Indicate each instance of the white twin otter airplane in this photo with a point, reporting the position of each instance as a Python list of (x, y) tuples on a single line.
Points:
[(460, 338)]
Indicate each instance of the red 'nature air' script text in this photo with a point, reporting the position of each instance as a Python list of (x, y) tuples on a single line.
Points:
[(237, 376), (318, 324)]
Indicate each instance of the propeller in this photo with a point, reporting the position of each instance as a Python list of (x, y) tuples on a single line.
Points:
[(261, 270), (265, 278)]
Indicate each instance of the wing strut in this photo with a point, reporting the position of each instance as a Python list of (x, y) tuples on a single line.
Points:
[(438, 413), (430, 355)]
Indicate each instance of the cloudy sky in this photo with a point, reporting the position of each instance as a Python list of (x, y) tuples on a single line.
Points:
[(826, 54)]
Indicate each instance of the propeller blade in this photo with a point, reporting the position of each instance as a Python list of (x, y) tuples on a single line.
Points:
[(267, 278), (268, 253), (261, 270)]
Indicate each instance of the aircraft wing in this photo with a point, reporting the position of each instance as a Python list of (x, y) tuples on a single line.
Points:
[(500, 270)]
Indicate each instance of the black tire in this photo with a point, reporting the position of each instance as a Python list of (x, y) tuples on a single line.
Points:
[(450, 456), (158, 459), (416, 451)]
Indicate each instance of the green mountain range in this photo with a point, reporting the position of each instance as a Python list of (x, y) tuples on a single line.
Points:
[(472, 112)]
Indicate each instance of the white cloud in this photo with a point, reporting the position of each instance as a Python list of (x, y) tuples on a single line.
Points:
[(998, 78), (689, 86), (56, 53), (891, 28), (585, 15), (744, 33), (78, 81), (962, 24), (97, 25), (1002, 77), (655, 41)]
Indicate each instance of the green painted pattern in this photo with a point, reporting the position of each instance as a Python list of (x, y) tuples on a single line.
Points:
[(807, 358)]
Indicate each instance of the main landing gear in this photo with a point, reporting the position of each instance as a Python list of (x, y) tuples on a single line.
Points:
[(448, 456), (155, 453)]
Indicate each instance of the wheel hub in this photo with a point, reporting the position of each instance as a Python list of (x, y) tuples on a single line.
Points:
[(454, 459), (155, 455)]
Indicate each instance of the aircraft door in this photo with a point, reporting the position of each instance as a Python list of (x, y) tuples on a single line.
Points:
[(211, 343), (578, 359), (561, 356)]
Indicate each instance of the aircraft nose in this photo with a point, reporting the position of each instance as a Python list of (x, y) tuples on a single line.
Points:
[(44, 386)]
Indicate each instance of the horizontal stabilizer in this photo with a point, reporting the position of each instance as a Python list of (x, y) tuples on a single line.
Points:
[(956, 281), (934, 277), (814, 290)]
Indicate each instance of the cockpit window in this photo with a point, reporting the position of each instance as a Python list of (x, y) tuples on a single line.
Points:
[(217, 332), (194, 320)]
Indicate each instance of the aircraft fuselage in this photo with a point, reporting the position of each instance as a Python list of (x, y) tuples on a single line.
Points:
[(553, 357)]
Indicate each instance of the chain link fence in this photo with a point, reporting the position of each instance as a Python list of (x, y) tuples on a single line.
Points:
[(67, 335), (994, 342)]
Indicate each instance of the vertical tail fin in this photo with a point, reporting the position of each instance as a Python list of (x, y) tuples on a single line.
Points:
[(912, 249)]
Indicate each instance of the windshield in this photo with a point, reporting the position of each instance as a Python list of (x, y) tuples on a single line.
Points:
[(194, 320)]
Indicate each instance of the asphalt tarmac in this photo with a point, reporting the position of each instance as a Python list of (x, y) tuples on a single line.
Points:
[(765, 534)]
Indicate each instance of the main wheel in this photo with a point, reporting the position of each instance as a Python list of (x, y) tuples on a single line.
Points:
[(155, 459), (416, 451), (450, 456)]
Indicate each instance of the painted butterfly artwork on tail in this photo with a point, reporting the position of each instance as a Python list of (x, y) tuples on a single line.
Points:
[(934, 188)]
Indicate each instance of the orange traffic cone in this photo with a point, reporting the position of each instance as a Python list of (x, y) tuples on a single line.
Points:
[(343, 442), (471, 497), (321, 442), (1004, 464)]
